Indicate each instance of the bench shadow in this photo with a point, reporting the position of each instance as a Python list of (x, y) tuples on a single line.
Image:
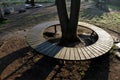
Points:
[(5, 61), (47, 48), (99, 68), (40, 70)]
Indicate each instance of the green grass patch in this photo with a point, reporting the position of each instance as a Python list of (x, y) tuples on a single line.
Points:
[(109, 20), (4, 21)]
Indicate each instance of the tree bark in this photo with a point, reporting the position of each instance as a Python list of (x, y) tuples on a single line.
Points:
[(32, 3), (68, 25), (1, 13), (27, 1)]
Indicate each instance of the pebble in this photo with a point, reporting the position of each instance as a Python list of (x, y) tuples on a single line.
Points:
[(117, 45), (116, 40), (117, 54)]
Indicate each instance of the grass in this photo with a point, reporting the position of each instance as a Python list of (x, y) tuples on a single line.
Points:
[(4, 21), (109, 20)]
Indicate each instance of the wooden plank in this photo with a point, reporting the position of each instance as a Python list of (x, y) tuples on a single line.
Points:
[(98, 48), (95, 51), (34, 37), (43, 43), (58, 54), (67, 55), (35, 45), (103, 45), (77, 56), (52, 52), (48, 49), (89, 53), (89, 49), (62, 54), (82, 57), (33, 40), (56, 50), (85, 53), (72, 57), (42, 46)]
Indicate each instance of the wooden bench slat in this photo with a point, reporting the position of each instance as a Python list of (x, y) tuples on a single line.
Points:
[(48, 50), (58, 54), (102, 47), (106, 46), (72, 57), (89, 53), (85, 53), (54, 51), (90, 50), (35, 45), (99, 49), (67, 54), (33, 41), (62, 55), (82, 57), (42, 46), (77, 56), (102, 50), (95, 51)]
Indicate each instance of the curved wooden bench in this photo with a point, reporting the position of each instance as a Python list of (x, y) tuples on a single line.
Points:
[(39, 43)]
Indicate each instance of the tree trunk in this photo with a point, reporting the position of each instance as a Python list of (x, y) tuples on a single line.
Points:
[(27, 1), (1, 13), (32, 3), (68, 25)]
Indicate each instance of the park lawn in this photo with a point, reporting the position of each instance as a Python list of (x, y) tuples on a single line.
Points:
[(110, 20)]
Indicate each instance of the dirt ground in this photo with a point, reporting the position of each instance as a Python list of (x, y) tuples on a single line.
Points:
[(18, 61)]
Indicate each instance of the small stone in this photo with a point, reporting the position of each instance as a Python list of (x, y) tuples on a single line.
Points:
[(117, 45), (1, 43), (117, 54), (36, 59), (116, 40)]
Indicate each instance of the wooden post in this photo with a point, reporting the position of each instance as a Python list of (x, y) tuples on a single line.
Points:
[(1, 13), (55, 29)]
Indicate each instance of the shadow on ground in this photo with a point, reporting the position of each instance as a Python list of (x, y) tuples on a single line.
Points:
[(5, 61), (40, 70), (99, 68)]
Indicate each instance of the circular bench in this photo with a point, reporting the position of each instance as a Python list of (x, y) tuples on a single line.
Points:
[(40, 44)]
